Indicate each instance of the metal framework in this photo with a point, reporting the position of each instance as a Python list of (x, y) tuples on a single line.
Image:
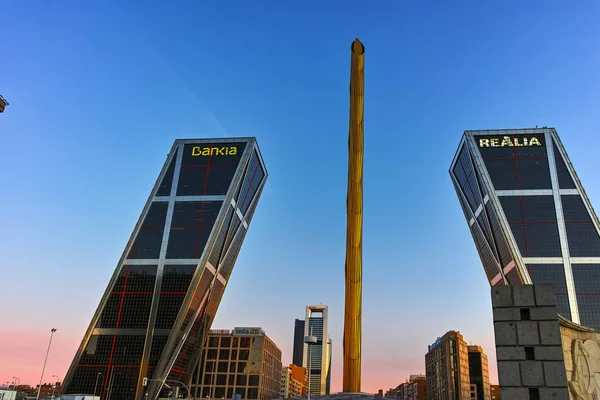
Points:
[(157, 309), (548, 186)]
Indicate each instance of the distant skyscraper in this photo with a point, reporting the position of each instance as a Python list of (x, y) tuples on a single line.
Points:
[(530, 217), (242, 361), (479, 375), (320, 353), (298, 343), (161, 300), (447, 368)]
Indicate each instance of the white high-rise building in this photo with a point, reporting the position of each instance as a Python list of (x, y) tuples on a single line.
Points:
[(319, 354)]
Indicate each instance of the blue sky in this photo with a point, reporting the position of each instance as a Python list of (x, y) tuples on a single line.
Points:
[(99, 91)]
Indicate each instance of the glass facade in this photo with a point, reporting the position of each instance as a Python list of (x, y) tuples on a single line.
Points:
[(155, 314), (529, 216)]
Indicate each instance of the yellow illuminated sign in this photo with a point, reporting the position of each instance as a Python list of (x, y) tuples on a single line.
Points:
[(198, 151), (517, 141)]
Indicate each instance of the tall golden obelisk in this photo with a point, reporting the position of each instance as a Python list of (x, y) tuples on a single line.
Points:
[(354, 204)]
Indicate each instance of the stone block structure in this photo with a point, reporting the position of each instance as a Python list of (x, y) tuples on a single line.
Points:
[(528, 343)]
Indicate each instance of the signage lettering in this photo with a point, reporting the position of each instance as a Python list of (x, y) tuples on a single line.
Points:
[(248, 331), (198, 151), (510, 142)]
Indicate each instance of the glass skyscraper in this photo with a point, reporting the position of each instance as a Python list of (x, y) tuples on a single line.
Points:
[(530, 217), (317, 357), (155, 314)]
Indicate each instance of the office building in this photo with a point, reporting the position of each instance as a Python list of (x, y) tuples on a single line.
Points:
[(447, 368), (154, 316), (294, 382), (318, 355), (298, 343), (479, 375), (413, 389), (243, 362), (530, 217), (495, 392)]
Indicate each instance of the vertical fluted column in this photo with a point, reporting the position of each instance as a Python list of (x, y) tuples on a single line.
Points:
[(354, 204)]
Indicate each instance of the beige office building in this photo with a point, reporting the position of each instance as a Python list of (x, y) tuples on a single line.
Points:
[(447, 368), (294, 381), (242, 363)]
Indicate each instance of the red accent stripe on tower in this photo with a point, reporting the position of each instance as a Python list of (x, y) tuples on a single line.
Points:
[(524, 226), (112, 350)]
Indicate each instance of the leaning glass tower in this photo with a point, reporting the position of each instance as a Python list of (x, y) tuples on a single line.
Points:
[(153, 318), (530, 217)]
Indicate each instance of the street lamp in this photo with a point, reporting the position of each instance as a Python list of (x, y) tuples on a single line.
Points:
[(54, 386), (309, 340), (44, 367), (16, 378), (96, 385)]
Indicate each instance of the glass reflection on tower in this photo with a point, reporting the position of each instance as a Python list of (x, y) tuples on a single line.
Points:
[(530, 217), (160, 302)]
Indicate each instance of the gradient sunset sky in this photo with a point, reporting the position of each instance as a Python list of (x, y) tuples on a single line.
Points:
[(99, 90)]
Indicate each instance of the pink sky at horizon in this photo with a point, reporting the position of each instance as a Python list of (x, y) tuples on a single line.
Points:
[(27, 349)]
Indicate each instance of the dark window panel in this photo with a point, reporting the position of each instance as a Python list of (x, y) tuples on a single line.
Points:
[(253, 176), (534, 174), (564, 177), (215, 255), (135, 311), (225, 342), (158, 345), (108, 318), (192, 223), (234, 249), (583, 240), (224, 354), (168, 309), (587, 286), (253, 380), (128, 350), (542, 240), (574, 209), (511, 205), (588, 311), (554, 274), (519, 235), (501, 244), (165, 185), (538, 209), (140, 278), (149, 238), (489, 264), (176, 278), (223, 367), (503, 174)]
